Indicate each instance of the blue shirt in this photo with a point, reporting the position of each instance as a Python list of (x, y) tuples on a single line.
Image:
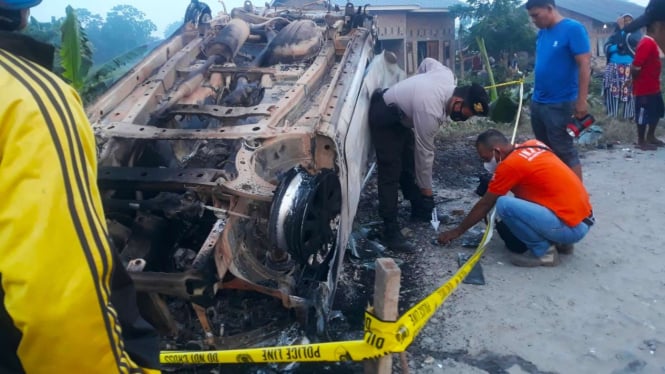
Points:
[(556, 69), (616, 58)]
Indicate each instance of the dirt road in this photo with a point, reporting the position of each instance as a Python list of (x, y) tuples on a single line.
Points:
[(601, 311)]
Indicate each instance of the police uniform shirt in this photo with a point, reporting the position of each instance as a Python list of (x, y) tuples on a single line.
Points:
[(423, 98)]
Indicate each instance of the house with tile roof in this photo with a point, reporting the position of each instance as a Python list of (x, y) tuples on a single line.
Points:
[(416, 29), (599, 18)]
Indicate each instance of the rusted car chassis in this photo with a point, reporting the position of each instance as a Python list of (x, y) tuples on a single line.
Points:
[(232, 158)]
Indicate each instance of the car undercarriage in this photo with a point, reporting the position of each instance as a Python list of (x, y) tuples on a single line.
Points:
[(231, 161)]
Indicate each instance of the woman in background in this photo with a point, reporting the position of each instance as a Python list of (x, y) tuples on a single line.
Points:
[(617, 85)]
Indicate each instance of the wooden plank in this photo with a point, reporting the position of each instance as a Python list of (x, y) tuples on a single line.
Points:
[(386, 300)]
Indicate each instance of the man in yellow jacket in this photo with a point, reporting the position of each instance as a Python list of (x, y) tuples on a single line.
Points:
[(67, 304)]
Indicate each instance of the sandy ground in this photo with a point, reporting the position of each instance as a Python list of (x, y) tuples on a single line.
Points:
[(601, 311)]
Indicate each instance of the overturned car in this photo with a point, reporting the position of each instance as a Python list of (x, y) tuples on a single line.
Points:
[(231, 164)]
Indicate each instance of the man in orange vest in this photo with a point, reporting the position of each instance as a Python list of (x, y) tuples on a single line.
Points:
[(550, 209)]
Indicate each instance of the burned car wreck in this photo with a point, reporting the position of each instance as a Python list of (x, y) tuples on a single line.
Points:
[(231, 161)]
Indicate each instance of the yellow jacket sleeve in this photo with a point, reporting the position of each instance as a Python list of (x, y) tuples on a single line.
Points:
[(57, 314)]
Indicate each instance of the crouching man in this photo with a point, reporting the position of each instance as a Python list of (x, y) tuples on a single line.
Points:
[(550, 210)]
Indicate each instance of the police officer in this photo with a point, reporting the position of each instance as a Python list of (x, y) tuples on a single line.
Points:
[(404, 120), (67, 304)]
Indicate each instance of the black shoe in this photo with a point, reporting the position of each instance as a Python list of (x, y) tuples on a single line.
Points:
[(398, 243), (421, 208), (395, 241)]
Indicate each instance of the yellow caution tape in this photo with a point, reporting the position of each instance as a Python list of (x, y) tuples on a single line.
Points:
[(356, 350), (380, 338), (505, 84), (410, 323)]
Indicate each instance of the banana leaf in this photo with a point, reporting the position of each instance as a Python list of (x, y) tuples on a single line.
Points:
[(75, 51), (104, 75)]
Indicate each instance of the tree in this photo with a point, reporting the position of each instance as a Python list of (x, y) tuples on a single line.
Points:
[(92, 24), (503, 24), (124, 29), (88, 20), (172, 28), (497, 28), (74, 50), (47, 32)]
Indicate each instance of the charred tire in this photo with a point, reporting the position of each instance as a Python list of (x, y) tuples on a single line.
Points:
[(304, 215)]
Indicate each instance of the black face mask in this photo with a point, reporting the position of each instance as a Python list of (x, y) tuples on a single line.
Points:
[(458, 116), (456, 113)]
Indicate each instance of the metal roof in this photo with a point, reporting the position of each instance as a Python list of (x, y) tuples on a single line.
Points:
[(422, 4), (391, 4), (604, 11)]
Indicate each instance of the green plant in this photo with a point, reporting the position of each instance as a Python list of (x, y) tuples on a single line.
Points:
[(503, 110), (104, 75), (76, 60), (75, 51), (503, 25), (488, 67)]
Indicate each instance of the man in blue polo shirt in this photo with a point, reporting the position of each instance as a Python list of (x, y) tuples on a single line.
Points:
[(562, 79)]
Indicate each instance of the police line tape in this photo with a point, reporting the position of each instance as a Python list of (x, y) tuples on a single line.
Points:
[(380, 337), (511, 83)]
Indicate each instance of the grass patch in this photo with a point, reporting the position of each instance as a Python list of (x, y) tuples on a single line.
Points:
[(621, 131), (476, 125), (615, 130)]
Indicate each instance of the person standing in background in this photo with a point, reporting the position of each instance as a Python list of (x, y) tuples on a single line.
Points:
[(649, 105), (617, 86), (562, 76)]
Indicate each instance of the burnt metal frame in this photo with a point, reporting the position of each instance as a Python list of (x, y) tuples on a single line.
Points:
[(318, 119)]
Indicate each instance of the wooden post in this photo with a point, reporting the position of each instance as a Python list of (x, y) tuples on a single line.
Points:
[(386, 299)]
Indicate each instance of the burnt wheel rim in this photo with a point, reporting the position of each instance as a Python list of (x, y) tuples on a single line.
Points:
[(305, 215), (320, 219)]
